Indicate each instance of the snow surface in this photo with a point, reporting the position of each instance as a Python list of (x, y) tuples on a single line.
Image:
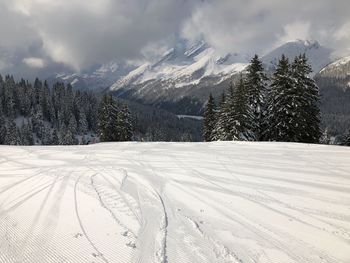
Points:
[(175, 202), (190, 117), (340, 62), (185, 65)]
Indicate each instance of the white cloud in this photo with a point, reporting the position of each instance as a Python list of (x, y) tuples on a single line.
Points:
[(296, 30), (34, 62)]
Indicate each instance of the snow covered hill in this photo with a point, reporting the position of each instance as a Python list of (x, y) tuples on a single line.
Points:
[(175, 202), (318, 55), (98, 78), (339, 69), (190, 65), (181, 79), (185, 64)]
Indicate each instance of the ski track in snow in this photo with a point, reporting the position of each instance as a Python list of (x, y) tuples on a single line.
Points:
[(175, 202)]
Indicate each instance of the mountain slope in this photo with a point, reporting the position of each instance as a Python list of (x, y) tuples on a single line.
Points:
[(191, 72), (97, 78), (334, 83), (181, 79), (338, 69), (317, 55), (184, 65), (175, 202)]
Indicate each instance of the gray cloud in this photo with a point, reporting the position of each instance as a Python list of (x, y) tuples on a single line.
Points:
[(40, 36), (258, 26)]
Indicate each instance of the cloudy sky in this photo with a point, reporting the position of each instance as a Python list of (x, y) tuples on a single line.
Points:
[(39, 37)]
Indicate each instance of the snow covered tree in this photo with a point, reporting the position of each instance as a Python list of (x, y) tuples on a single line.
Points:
[(230, 120), (241, 113), (8, 97), (325, 137), (83, 124), (69, 139), (54, 138), (209, 120), (256, 84), (26, 134), (46, 136), (347, 139), (45, 109), (124, 124), (293, 113), (282, 105), (220, 131), (2, 127), (108, 119), (12, 135), (308, 129)]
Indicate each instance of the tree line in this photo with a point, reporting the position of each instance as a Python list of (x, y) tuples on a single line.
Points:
[(283, 107), (37, 114)]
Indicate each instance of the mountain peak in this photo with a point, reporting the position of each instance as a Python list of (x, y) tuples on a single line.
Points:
[(318, 55)]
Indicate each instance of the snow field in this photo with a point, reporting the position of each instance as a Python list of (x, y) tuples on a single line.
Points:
[(175, 202)]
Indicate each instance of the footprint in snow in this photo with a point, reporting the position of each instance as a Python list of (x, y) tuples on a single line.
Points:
[(130, 244), (77, 235)]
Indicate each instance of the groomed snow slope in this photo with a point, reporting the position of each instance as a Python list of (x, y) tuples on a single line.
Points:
[(175, 202)]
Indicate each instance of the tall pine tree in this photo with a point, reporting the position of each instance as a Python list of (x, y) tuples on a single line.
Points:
[(256, 84), (209, 120), (242, 113), (308, 130), (283, 102)]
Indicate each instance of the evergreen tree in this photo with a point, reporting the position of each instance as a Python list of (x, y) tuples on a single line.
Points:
[(8, 97), (54, 138), (46, 136), (108, 119), (124, 123), (2, 127), (241, 113), (209, 120), (220, 132), (282, 101), (83, 124), (346, 140), (256, 84), (229, 124), (26, 134), (12, 136), (325, 138), (308, 130)]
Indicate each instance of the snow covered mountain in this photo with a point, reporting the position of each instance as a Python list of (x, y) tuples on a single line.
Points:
[(318, 56), (97, 78), (185, 74), (337, 69), (184, 65), (188, 64)]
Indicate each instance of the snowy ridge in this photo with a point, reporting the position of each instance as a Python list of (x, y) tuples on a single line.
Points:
[(184, 67), (317, 55), (188, 64), (338, 69), (175, 202)]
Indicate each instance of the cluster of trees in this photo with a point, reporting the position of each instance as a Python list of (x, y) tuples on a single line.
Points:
[(284, 107), (114, 120), (347, 139), (155, 124), (36, 114), (335, 110)]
